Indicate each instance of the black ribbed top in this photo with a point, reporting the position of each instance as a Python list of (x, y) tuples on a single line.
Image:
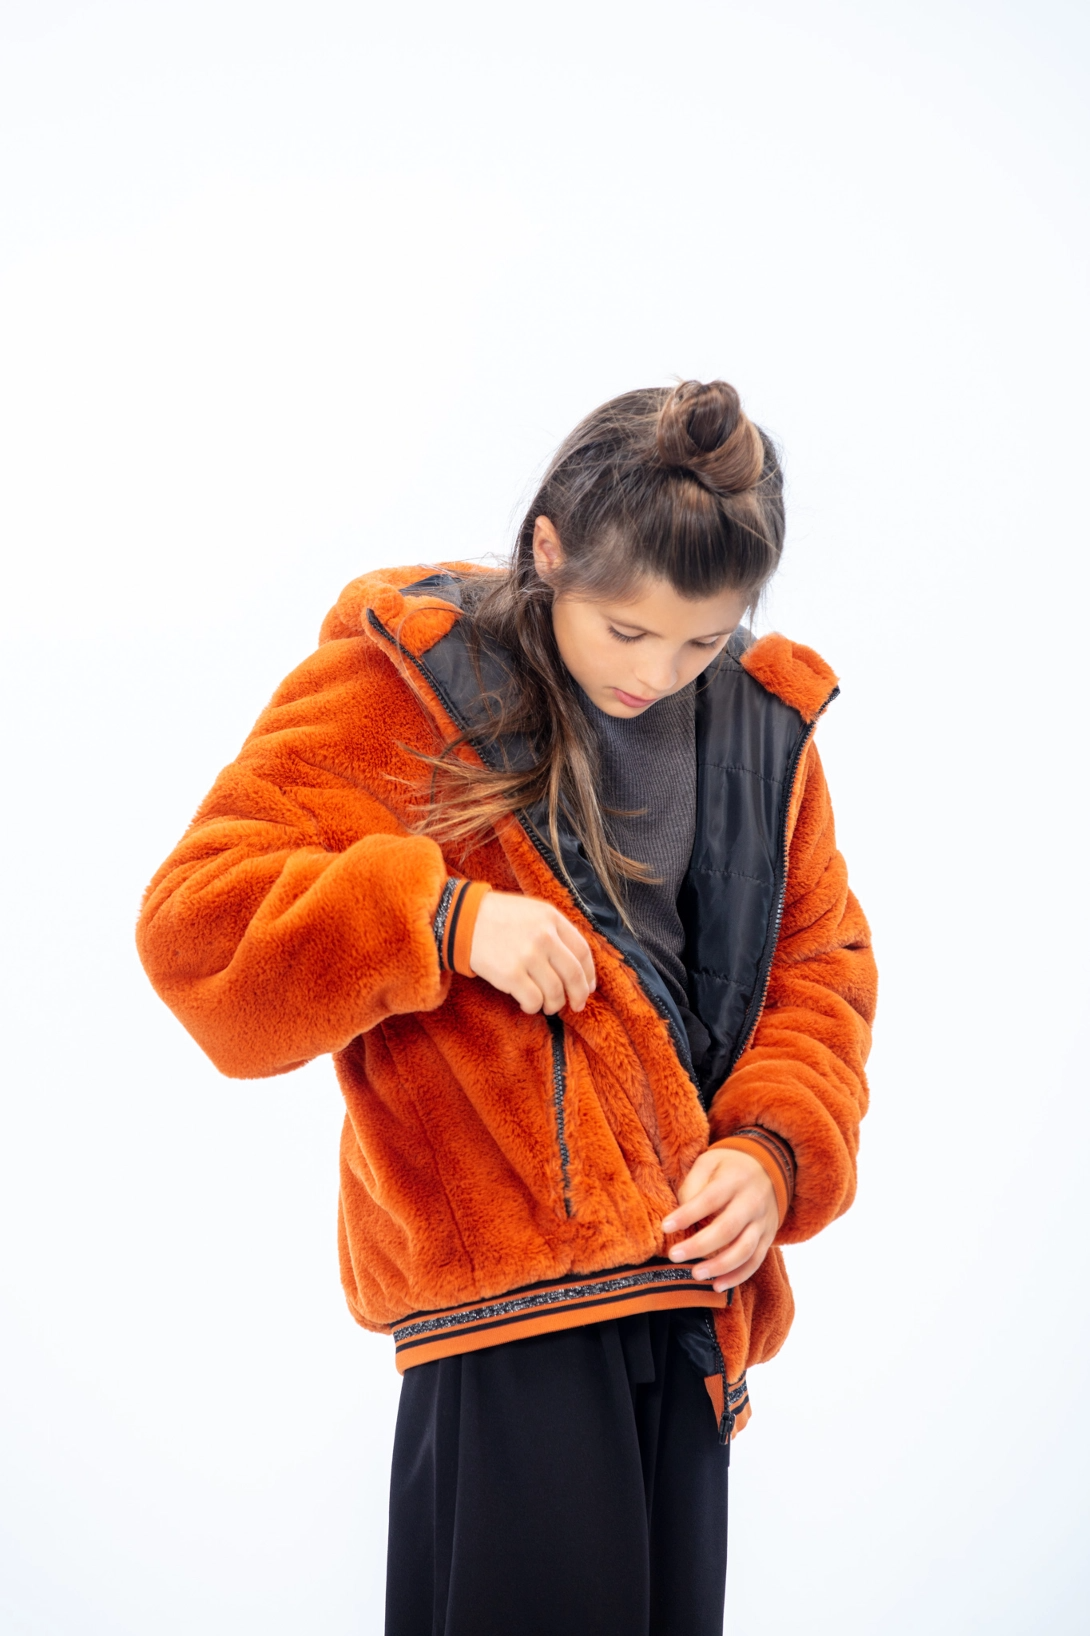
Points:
[(647, 770)]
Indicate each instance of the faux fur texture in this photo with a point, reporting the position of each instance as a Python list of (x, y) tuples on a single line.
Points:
[(796, 674), (295, 918)]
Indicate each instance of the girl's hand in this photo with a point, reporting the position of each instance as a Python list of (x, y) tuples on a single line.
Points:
[(527, 949), (734, 1189)]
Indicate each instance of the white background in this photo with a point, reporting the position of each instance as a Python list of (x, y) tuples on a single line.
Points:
[(288, 291)]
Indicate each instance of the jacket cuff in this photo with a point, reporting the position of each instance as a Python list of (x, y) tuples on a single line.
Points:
[(455, 920), (773, 1154)]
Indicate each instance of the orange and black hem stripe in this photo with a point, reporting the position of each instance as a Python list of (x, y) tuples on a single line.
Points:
[(736, 1400), (537, 1309)]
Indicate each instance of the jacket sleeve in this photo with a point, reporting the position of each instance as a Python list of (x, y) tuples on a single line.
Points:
[(802, 1076), (297, 911)]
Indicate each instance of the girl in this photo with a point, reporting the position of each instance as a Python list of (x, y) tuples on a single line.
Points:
[(545, 858)]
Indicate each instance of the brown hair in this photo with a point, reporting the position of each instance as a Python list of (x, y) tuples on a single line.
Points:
[(672, 484)]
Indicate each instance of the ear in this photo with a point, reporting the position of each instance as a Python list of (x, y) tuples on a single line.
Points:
[(548, 551)]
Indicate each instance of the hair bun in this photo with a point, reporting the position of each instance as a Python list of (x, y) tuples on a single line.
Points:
[(701, 429)]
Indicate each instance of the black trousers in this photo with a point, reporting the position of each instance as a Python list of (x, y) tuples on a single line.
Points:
[(572, 1482)]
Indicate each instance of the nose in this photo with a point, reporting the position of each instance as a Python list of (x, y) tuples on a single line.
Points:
[(658, 679)]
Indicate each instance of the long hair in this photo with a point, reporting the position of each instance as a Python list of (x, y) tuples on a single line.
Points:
[(670, 484)]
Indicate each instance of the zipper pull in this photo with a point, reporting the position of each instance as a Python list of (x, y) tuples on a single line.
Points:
[(726, 1429)]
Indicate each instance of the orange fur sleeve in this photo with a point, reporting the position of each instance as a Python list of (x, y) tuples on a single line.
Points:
[(297, 912), (802, 1076)]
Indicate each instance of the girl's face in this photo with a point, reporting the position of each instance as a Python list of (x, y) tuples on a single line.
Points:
[(626, 655)]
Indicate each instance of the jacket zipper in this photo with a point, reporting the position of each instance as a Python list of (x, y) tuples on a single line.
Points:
[(560, 1086), (728, 1417), (781, 899)]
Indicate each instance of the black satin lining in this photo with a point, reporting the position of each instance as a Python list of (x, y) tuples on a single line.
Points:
[(746, 741)]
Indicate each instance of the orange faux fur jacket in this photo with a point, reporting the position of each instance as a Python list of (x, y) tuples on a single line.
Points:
[(500, 1173)]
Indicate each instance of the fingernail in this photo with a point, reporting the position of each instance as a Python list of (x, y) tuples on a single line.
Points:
[(675, 1253), (668, 1225)]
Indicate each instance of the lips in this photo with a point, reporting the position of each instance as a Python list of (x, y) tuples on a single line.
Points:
[(631, 700)]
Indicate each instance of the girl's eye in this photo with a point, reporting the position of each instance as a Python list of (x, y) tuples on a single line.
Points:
[(621, 637)]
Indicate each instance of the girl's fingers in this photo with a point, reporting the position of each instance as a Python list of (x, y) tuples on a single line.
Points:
[(571, 974), (734, 1256), (701, 1172), (705, 1203), (528, 995), (716, 1236), (711, 1173), (740, 1274), (549, 986), (580, 948)]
